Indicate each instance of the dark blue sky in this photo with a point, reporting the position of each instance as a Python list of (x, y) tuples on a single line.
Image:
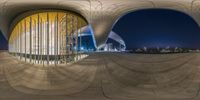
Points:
[(158, 27), (3, 42)]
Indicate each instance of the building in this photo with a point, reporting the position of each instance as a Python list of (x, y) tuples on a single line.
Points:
[(42, 30)]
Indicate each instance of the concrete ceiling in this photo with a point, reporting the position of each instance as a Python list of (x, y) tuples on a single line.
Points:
[(101, 14)]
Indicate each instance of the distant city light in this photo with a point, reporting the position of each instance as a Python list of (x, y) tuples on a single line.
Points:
[(82, 48)]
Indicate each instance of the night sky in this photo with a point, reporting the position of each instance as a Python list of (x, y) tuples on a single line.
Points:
[(158, 28), (3, 42)]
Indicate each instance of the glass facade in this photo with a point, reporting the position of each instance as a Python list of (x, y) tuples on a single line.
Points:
[(47, 37)]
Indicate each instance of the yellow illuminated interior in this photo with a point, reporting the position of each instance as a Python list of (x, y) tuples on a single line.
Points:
[(41, 35)]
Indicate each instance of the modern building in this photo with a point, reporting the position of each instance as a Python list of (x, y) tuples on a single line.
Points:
[(100, 14)]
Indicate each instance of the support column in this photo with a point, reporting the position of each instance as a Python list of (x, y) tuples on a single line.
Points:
[(57, 41), (43, 40), (80, 35), (51, 25), (35, 41), (25, 38), (47, 38), (38, 38), (57, 30), (76, 38), (66, 38), (17, 41), (55, 38), (30, 56), (20, 38), (72, 36), (41, 60)]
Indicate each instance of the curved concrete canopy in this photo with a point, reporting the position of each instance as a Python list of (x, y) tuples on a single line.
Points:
[(114, 36), (101, 14)]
